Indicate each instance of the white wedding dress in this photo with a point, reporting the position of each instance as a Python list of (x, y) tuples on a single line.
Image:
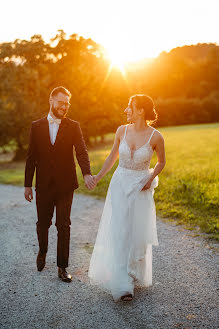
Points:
[(122, 255)]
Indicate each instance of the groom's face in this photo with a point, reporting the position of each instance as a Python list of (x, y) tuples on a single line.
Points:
[(60, 105)]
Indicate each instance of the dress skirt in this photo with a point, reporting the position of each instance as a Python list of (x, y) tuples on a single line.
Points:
[(122, 254)]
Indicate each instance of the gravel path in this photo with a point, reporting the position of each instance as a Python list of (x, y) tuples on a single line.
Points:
[(183, 295)]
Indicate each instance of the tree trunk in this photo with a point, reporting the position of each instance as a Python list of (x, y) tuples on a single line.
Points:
[(20, 153)]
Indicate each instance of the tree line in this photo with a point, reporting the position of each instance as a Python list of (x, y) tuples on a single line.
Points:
[(183, 83)]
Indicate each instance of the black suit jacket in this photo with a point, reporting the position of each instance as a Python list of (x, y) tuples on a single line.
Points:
[(55, 163)]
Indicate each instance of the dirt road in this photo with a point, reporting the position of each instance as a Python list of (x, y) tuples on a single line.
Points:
[(183, 295)]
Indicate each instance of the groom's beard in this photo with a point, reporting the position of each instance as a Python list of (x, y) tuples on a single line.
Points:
[(57, 114)]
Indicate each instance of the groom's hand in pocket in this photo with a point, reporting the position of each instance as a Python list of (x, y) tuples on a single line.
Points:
[(28, 193), (90, 182)]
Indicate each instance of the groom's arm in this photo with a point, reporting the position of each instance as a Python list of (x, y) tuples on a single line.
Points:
[(30, 160), (81, 151)]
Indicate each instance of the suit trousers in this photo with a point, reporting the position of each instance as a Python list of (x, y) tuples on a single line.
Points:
[(46, 202)]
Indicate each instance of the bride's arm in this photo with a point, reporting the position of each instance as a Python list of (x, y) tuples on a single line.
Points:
[(111, 159), (161, 159)]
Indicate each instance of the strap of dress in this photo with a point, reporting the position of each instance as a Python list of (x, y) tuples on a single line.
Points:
[(125, 131), (151, 135)]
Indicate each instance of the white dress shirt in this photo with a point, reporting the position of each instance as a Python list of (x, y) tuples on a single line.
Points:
[(53, 130)]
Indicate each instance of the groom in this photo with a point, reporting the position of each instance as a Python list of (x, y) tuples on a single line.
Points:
[(50, 152)]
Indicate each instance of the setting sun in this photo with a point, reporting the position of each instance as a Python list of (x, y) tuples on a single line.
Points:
[(129, 31), (117, 60)]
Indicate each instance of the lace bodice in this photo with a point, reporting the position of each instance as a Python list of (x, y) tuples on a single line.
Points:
[(136, 160)]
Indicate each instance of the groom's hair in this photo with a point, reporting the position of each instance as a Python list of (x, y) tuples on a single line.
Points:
[(146, 103), (60, 89)]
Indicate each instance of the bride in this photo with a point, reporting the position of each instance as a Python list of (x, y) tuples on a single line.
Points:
[(122, 255)]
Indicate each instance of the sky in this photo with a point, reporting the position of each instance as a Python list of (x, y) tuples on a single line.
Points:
[(129, 29)]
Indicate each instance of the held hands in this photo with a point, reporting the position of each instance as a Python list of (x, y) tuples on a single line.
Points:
[(90, 181), (28, 194)]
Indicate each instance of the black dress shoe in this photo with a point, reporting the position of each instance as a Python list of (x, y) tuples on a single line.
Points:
[(41, 260), (64, 275)]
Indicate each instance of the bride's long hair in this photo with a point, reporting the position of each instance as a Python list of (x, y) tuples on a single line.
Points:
[(145, 102)]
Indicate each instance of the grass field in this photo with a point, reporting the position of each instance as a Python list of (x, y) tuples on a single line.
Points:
[(188, 190)]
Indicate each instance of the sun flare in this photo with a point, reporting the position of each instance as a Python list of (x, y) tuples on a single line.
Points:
[(117, 59), (118, 63)]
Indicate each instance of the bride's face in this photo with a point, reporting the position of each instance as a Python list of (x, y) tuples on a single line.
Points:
[(132, 112), (129, 112)]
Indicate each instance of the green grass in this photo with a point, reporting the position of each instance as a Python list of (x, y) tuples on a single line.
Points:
[(188, 190), (12, 173)]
